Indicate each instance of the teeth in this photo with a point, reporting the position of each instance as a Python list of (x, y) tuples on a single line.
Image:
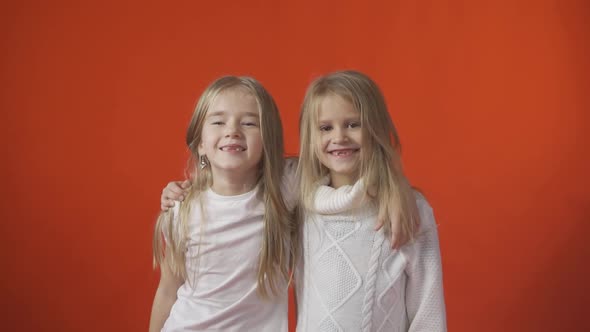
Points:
[(232, 148), (342, 152)]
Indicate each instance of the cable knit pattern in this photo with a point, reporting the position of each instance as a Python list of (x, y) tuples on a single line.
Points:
[(369, 302), (349, 279)]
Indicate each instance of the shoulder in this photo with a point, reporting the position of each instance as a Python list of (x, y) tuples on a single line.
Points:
[(425, 212), (175, 209), (291, 164), (173, 216), (168, 223), (425, 242), (190, 205), (290, 169), (289, 182)]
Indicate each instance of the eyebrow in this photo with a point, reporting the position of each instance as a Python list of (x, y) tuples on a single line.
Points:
[(351, 119), (222, 112)]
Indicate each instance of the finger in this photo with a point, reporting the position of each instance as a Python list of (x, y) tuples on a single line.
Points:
[(164, 207), (173, 188), (166, 204), (394, 241), (174, 192), (170, 194), (379, 225), (185, 184)]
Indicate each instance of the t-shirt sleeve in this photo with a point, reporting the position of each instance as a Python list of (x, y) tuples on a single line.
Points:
[(424, 290)]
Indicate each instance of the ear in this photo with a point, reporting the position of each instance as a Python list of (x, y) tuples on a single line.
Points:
[(201, 148)]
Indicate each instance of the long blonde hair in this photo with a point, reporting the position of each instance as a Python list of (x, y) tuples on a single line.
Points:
[(380, 167), (276, 249)]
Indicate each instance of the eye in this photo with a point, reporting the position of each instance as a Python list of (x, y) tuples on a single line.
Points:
[(325, 128), (250, 124), (354, 125), (217, 123)]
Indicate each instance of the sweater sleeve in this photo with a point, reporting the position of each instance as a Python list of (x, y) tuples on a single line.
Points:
[(289, 183), (424, 289)]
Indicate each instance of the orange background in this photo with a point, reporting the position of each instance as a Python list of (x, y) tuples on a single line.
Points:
[(491, 99)]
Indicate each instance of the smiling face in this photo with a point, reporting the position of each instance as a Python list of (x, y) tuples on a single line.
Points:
[(231, 137), (339, 139)]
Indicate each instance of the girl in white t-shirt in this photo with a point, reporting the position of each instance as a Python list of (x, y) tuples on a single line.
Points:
[(224, 252)]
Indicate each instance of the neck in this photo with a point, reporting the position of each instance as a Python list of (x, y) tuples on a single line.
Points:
[(337, 181), (233, 183)]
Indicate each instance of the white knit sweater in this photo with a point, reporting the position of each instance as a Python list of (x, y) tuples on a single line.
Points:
[(349, 279)]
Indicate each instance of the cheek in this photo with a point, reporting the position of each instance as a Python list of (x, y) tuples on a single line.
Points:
[(317, 145), (318, 148), (359, 138), (201, 148), (204, 143), (257, 145), (257, 140), (323, 142), (207, 143), (204, 135)]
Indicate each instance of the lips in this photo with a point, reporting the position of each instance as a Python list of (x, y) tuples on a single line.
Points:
[(232, 148)]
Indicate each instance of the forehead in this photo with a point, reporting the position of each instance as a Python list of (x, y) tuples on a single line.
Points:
[(234, 100), (333, 106)]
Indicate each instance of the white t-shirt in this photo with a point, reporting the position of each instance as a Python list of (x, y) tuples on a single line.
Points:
[(221, 291)]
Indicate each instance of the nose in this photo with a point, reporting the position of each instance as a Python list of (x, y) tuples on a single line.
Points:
[(232, 130), (339, 136)]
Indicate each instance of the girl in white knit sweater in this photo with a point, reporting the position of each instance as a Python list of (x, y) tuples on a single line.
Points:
[(352, 183)]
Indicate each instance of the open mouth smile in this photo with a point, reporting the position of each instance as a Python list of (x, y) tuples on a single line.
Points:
[(232, 148), (343, 152)]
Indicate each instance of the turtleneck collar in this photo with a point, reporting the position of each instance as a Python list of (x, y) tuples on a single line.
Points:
[(329, 200)]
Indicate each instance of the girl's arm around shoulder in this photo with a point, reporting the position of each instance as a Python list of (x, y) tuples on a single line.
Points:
[(174, 191), (165, 297), (424, 291)]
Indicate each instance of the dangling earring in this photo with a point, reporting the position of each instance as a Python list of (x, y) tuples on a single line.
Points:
[(203, 161)]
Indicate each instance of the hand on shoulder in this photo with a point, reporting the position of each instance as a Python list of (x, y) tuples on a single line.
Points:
[(174, 191)]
